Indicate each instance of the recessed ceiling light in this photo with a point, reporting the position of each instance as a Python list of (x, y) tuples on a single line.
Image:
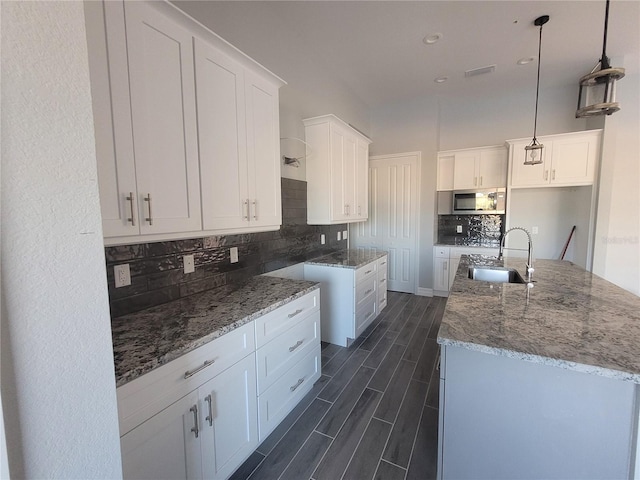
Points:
[(524, 61), (441, 79), (432, 38)]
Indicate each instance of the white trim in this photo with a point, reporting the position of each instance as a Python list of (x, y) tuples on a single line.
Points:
[(424, 292)]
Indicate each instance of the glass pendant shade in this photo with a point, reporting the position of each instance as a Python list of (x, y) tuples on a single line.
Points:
[(533, 153), (597, 94)]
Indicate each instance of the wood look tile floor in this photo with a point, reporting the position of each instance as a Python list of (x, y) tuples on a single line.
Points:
[(373, 414)]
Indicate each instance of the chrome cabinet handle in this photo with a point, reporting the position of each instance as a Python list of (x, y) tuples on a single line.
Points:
[(475, 181), (298, 343), (294, 387), (245, 205), (291, 315), (546, 174), (191, 373), (368, 291), (553, 174), (480, 180), (195, 429), (209, 417), (150, 217), (132, 219), (255, 209), (368, 315), (368, 272), (359, 210)]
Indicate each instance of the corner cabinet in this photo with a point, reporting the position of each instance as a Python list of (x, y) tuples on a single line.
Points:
[(483, 167), (337, 172), (568, 159), (185, 126)]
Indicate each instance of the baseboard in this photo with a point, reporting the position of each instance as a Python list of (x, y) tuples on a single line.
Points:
[(425, 292), (440, 293)]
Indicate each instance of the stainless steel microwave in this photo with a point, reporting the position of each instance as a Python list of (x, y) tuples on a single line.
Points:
[(479, 201)]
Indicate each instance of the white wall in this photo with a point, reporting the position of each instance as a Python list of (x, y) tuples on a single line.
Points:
[(57, 373), (617, 239)]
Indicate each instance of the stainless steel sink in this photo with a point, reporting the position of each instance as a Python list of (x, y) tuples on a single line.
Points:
[(495, 275)]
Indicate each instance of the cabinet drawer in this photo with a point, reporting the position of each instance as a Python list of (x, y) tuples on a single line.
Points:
[(366, 271), (382, 264), (365, 289), (147, 395), (365, 315), (274, 323), (286, 392), (278, 356)]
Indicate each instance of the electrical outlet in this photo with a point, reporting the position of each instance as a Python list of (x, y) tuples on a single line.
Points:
[(189, 265), (345, 234), (233, 253), (534, 230), (122, 275), (322, 239), (339, 236), (458, 228)]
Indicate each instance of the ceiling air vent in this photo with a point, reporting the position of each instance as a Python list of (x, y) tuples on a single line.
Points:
[(480, 71)]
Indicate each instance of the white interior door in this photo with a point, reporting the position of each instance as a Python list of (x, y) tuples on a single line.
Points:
[(393, 216)]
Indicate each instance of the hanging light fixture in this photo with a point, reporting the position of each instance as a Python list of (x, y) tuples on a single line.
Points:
[(597, 95), (533, 151)]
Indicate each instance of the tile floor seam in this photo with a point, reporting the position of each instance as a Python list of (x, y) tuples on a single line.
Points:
[(415, 437), (364, 430)]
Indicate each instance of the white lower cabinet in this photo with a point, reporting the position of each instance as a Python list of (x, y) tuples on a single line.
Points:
[(383, 273), (445, 265), (201, 415), (350, 298)]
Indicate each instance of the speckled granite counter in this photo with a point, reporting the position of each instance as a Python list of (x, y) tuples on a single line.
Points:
[(570, 318), (346, 259), (148, 339)]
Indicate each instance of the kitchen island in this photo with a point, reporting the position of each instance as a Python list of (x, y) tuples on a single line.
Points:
[(539, 382)]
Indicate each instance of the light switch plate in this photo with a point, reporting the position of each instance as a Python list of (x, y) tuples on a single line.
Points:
[(233, 253), (458, 228), (122, 275), (534, 230), (189, 264), (322, 239), (339, 236), (345, 234)]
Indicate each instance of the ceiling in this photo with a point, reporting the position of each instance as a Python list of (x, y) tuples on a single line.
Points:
[(375, 49)]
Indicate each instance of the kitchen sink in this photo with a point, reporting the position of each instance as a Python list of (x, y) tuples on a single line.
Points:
[(495, 274)]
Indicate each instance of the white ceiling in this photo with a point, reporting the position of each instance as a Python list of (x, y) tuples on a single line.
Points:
[(375, 48)]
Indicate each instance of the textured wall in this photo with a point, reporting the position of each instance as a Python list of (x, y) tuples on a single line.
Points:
[(58, 383), (157, 268)]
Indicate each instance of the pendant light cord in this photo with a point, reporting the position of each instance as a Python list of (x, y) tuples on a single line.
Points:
[(535, 118), (604, 61)]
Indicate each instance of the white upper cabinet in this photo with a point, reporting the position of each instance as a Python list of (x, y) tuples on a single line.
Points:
[(568, 159), (239, 144), (484, 167), (187, 127), (337, 172)]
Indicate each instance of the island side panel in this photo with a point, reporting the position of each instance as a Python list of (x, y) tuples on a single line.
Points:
[(508, 418)]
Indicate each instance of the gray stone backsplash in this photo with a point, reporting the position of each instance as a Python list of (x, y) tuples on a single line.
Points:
[(157, 268), (477, 230)]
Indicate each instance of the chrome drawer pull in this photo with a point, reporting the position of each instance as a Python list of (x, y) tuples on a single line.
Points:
[(298, 343), (291, 315), (210, 416), (369, 314), (368, 272), (245, 205), (150, 218), (255, 209), (191, 373), (368, 292), (194, 429), (383, 280), (383, 263), (293, 388), (133, 218)]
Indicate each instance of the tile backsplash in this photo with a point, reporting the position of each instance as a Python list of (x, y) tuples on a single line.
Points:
[(157, 268), (477, 230)]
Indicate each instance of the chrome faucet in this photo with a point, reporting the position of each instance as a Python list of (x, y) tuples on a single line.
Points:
[(530, 250)]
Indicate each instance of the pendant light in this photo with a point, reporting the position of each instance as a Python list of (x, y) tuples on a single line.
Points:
[(597, 94), (533, 151)]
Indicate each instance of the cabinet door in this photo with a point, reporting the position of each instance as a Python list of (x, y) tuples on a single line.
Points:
[(528, 175), (165, 446), (362, 181), (222, 139), (465, 173), (492, 170), (229, 416), (573, 160), (263, 151), (441, 274), (114, 140), (349, 166), (338, 199), (161, 77), (445, 172)]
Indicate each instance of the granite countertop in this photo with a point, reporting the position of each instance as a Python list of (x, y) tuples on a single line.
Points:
[(570, 318), (148, 339), (346, 259)]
